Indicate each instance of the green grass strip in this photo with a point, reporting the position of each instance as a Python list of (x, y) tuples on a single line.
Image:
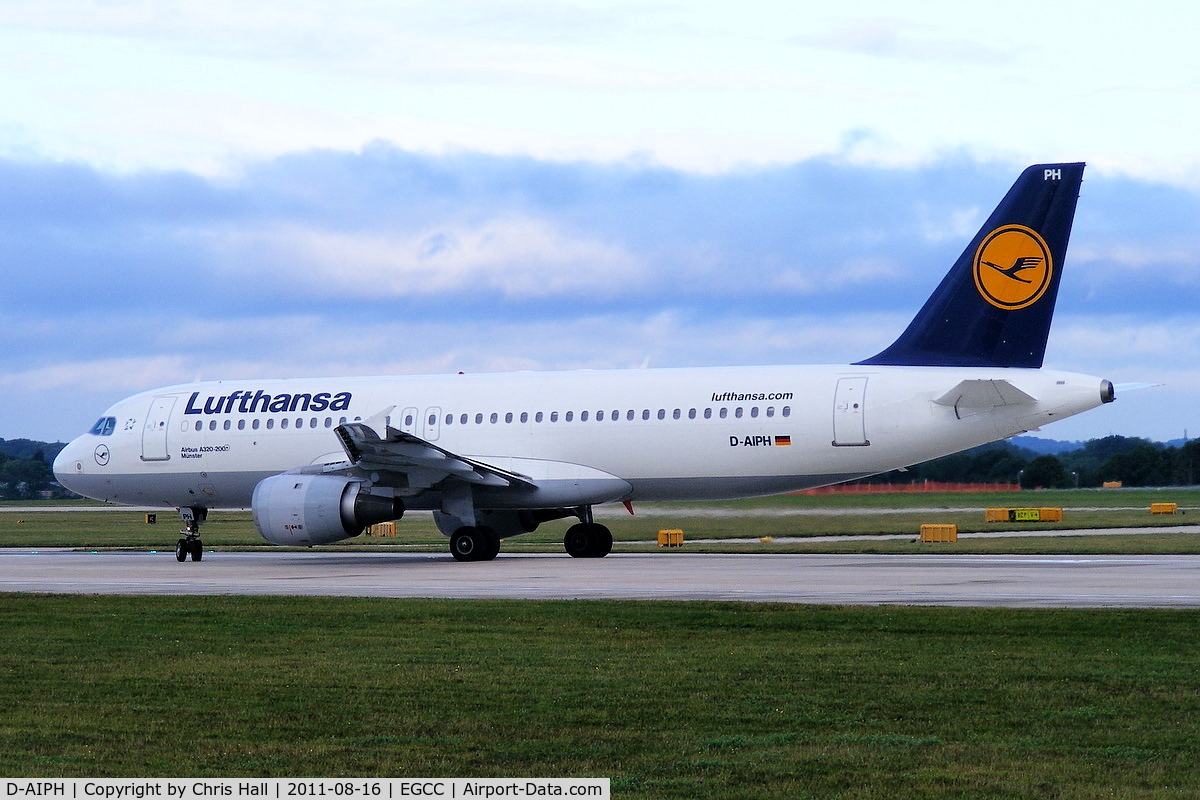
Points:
[(668, 699)]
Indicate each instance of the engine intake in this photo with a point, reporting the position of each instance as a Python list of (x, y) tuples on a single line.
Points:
[(303, 510)]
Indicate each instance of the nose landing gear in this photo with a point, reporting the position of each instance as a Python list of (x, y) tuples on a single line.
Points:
[(189, 541)]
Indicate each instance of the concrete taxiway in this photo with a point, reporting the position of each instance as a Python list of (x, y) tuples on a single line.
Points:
[(933, 579)]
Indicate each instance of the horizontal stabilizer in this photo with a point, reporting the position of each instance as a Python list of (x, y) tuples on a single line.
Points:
[(976, 396)]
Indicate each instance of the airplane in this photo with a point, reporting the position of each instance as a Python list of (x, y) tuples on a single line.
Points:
[(496, 455)]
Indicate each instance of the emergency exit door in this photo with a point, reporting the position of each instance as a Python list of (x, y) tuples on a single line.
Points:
[(849, 413)]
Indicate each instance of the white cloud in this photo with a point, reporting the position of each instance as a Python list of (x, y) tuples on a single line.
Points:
[(515, 258), (896, 37), (113, 375)]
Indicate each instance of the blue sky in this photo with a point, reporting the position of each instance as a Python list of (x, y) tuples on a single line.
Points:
[(226, 190)]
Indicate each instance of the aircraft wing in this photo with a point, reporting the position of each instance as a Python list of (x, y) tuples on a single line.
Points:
[(977, 396), (423, 463)]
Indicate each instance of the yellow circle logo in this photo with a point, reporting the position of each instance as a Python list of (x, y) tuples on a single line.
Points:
[(1013, 267)]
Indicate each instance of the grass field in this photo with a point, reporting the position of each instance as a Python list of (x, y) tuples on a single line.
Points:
[(669, 699)]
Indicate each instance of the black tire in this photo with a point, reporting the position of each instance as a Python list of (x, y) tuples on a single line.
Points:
[(469, 544), (197, 548), (493, 543), (588, 540), (602, 542), (181, 550), (578, 541)]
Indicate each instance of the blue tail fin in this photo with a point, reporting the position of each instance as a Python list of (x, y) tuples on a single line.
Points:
[(993, 308)]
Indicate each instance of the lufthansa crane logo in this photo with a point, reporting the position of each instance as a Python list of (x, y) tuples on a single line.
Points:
[(1013, 267)]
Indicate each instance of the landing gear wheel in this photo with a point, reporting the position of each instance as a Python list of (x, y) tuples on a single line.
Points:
[(588, 540), (602, 541), (189, 547), (493, 543), (469, 543), (189, 538)]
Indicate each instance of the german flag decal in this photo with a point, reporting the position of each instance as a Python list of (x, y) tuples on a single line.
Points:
[(783, 441)]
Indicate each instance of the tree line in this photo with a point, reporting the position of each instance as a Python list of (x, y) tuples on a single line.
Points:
[(26, 471), (1129, 460)]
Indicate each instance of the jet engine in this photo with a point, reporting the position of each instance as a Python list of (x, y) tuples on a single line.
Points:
[(303, 510)]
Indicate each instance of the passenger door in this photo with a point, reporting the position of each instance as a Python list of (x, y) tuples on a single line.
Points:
[(154, 433)]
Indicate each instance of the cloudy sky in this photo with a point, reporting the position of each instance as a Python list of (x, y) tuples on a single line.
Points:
[(238, 189)]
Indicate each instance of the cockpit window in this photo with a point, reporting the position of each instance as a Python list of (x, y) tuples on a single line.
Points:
[(104, 426)]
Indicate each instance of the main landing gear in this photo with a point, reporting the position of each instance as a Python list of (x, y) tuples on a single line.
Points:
[(475, 535), (189, 540), (588, 540), (474, 543)]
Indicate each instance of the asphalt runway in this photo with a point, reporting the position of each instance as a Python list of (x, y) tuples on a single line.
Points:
[(933, 579)]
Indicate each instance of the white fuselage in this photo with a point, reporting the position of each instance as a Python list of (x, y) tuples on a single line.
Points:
[(667, 434)]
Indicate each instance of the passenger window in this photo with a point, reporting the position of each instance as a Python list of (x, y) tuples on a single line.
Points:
[(770, 412), (479, 419), (312, 423), (554, 416), (724, 413), (270, 424), (329, 422), (662, 413), (754, 413), (537, 417), (599, 416), (228, 424), (199, 425), (583, 416), (241, 424), (283, 424), (629, 415), (787, 411), (691, 413), (508, 417), (737, 412), (254, 424), (495, 417), (524, 417), (570, 416), (676, 414), (463, 419), (708, 413), (645, 413)]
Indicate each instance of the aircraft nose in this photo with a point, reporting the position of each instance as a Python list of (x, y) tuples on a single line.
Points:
[(69, 466)]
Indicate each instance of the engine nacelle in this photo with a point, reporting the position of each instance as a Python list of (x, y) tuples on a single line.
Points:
[(303, 510)]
